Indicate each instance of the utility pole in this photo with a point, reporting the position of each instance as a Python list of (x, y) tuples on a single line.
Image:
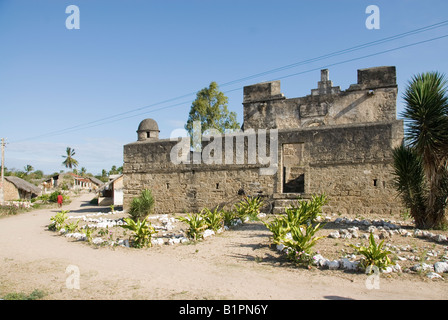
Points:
[(2, 199)]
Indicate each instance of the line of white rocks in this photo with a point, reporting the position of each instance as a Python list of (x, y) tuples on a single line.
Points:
[(386, 229)]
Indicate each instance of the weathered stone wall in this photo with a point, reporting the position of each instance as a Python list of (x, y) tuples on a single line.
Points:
[(372, 99), (10, 192), (352, 164), (332, 141)]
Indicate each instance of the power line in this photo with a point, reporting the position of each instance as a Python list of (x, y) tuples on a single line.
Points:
[(278, 78), (304, 62)]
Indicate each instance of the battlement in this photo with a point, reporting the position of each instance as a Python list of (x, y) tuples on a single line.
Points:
[(371, 99)]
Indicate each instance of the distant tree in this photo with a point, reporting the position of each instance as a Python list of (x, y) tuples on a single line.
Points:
[(83, 171), (115, 170), (38, 174), (69, 161), (28, 168), (210, 108)]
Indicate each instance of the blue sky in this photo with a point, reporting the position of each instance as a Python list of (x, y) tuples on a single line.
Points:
[(89, 88)]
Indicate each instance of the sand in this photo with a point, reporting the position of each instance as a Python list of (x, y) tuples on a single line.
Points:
[(238, 264)]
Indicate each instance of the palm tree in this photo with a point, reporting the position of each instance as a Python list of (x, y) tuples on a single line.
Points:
[(421, 166), (69, 161), (28, 168)]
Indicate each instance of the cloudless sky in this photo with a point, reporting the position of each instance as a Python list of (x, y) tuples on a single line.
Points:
[(89, 88)]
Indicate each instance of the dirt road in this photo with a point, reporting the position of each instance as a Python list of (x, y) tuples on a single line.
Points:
[(234, 265)]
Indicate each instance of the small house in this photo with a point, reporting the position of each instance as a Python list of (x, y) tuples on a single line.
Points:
[(111, 193), (16, 188)]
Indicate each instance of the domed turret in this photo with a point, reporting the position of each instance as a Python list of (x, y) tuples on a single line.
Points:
[(148, 130)]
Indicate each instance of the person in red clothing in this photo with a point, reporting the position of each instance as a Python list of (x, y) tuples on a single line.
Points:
[(60, 199)]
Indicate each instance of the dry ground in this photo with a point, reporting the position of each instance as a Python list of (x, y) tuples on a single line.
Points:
[(238, 264)]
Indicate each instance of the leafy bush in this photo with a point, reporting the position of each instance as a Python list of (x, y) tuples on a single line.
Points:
[(297, 228), (141, 206), (306, 212), (213, 219), (301, 242), (249, 208), (58, 220), (143, 231), (197, 225), (71, 227), (279, 228), (374, 255), (228, 217), (88, 232)]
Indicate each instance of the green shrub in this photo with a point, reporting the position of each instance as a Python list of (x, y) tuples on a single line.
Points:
[(197, 225), (301, 242), (300, 222), (143, 231), (248, 208), (213, 219), (228, 217), (306, 212), (71, 227), (141, 206), (279, 228), (374, 255), (58, 220)]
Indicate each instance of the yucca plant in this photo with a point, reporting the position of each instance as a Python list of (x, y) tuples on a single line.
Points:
[(374, 255), (421, 166), (228, 216), (213, 219), (249, 208), (197, 225), (72, 226), (58, 220), (143, 231), (141, 206), (306, 212), (279, 228), (301, 242)]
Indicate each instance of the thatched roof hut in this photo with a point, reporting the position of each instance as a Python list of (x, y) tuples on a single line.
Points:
[(16, 188)]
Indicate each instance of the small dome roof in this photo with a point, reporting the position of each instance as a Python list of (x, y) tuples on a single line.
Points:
[(148, 125)]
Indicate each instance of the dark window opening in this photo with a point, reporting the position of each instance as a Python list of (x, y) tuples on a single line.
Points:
[(217, 186), (375, 181), (294, 184), (147, 135)]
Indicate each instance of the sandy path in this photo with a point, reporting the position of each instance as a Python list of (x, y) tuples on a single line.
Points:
[(234, 265)]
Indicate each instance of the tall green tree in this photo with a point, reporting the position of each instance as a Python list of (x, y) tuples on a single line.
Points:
[(210, 109), (421, 165), (69, 161)]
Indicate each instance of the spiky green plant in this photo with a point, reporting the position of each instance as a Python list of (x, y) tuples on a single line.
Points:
[(302, 241), (374, 255), (213, 219), (279, 227), (71, 227), (228, 217), (58, 220), (249, 208), (197, 225), (426, 152), (306, 212), (141, 206), (142, 232)]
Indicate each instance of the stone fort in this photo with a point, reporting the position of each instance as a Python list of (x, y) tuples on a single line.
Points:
[(332, 141)]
